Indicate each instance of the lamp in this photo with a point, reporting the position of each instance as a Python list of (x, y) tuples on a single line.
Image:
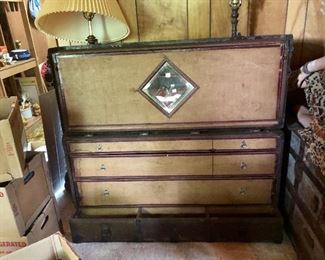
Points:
[(67, 19), (235, 5)]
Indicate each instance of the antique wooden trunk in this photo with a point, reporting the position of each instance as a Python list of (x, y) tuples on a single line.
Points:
[(304, 205), (175, 141)]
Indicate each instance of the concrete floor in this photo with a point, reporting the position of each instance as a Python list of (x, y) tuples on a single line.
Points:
[(177, 251)]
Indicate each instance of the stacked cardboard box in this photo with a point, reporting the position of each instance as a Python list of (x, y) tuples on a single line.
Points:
[(28, 211)]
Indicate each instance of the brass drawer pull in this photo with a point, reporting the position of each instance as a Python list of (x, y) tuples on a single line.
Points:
[(99, 147), (243, 145), (106, 193), (243, 191), (102, 167), (243, 166)]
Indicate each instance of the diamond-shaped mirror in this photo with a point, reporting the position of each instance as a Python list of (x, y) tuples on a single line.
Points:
[(168, 88)]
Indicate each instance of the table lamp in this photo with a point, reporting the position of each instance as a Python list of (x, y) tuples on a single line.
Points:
[(68, 19)]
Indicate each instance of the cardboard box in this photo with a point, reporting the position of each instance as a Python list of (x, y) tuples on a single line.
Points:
[(22, 200), (12, 140), (53, 247), (45, 225)]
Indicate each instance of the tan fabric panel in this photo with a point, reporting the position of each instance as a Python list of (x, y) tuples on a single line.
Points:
[(176, 192), (243, 77), (143, 166), (261, 143), (244, 164), (137, 146)]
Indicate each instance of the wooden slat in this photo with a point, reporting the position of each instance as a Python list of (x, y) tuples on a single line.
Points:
[(267, 17), (295, 25), (314, 38), (198, 19), (128, 8), (221, 21), (162, 20)]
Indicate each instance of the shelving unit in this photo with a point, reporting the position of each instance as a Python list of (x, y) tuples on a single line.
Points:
[(22, 66)]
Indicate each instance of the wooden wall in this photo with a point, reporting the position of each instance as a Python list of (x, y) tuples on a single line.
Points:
[(156, 20)]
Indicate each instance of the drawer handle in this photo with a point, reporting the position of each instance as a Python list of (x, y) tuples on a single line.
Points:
[(99, 147), (106, 193), (315, 204), (102, 167), (243, 166), (243, 144), (308, 237), (243, 191)]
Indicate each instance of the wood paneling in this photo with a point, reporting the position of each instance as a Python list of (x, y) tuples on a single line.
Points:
[(295, 24), (267, 16), (158, 20), (198, 19), (221, 21), (162, 20), (314, 37), (130, 13)]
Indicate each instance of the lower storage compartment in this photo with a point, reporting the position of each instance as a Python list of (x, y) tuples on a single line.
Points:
[(176, 192), (177, 229)]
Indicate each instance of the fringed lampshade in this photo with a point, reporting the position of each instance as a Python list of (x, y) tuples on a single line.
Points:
[(67, 20)]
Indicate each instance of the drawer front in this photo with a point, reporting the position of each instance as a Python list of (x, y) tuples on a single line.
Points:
[(172, 145), (175, 192), (143, 166), (242, 144), (311, 197), (244, 164), (138, 146), (307, 239)]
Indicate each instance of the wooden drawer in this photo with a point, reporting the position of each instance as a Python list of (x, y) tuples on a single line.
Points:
[(244, 164), (172, 145), (138, 146), (143, 166), (175, 192), (311, 197), (307, 240), (246, 143)]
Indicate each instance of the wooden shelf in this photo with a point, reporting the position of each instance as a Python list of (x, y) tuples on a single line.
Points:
[(18, 67), (21, 66)]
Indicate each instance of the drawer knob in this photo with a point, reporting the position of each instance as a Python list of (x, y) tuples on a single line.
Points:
[(106, 193), (243, 191), (99, 147), (243, 166), (103, 167), (243, 144)]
